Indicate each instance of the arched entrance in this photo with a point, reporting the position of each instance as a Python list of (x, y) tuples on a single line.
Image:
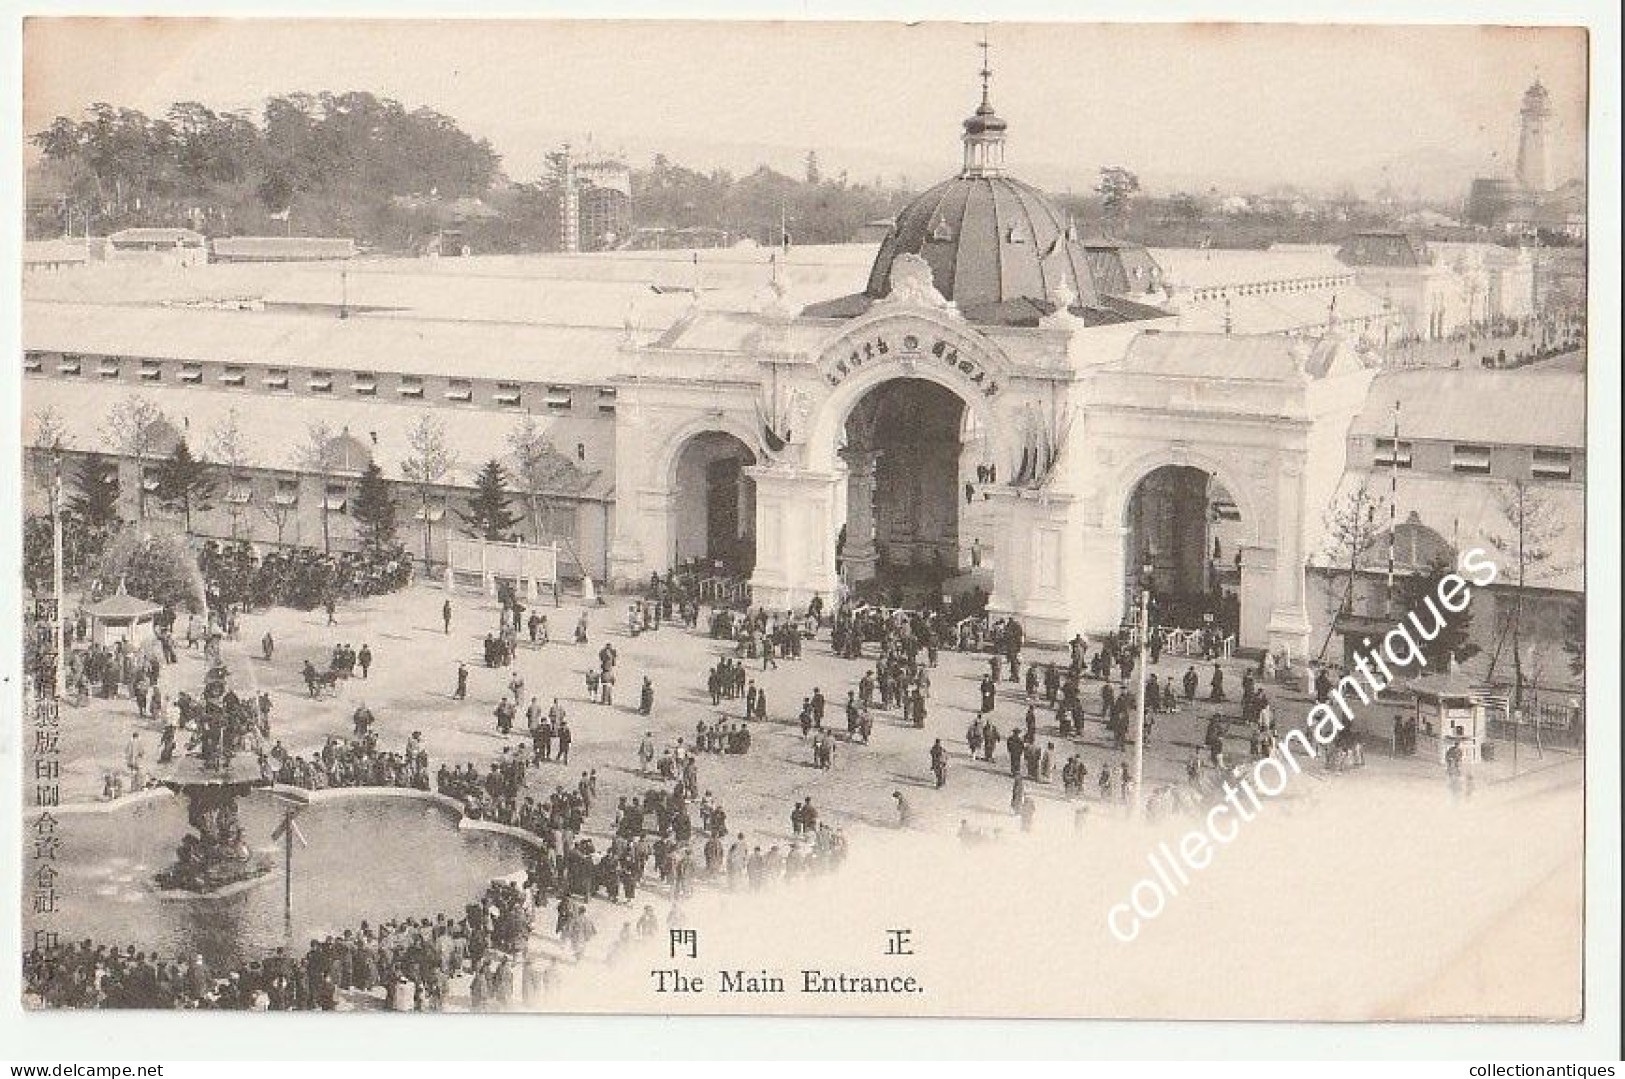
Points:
[(911, 448), (1184, 525), (715, 504)]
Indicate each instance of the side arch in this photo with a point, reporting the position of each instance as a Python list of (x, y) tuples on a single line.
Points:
[(1128, 477)]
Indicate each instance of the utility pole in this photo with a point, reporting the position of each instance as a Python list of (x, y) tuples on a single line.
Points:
[(288, 831), (1139, 732)]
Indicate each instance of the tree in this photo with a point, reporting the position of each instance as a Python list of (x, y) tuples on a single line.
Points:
[(1351, 531), (431, 460), (95, 502), (488, 516), (1454, 641), (138, 428), (153, 564), (1574, 638), (280, 513), (229, 446), (1527, 545), (547, 479), (185, 484), (319, 454), (374, 509), (1116, 187)]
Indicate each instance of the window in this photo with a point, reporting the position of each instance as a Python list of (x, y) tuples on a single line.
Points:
[(149, 478), (232, 375), (338, 497), (411, 386), (192, 373), (1471, 459), (33, 362), (434, 511), (508, 393), (287, 493), (364, 383), (558, 522), (240, 492), (108, 367), (276, 378), (606, 400), (459, 389), (558, 398), (151, 371), (1553, 465), (70, 364), (1387, 457), (320, 382)]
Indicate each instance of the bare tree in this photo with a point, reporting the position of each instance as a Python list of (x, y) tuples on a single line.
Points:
[(279, 513), (319, 454), (1528, 543), (546, 478), (50, 442), (426, 467), (1351, 531), (137, 426), (229, 448)]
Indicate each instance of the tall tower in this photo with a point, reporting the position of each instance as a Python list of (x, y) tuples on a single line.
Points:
[(569, 202), (1532, 168)]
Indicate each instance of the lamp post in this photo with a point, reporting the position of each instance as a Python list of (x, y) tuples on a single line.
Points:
[(1139, 708)]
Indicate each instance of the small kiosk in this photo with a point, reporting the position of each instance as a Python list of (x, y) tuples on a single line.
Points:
[(123, 617), (1450, 709)]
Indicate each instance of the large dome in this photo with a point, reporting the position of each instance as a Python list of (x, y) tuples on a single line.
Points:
[(997, 247)]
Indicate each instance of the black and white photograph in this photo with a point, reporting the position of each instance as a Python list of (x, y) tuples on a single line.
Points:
[(957, 519)]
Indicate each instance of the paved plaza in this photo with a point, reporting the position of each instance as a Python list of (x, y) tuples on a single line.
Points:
[(413, 677)]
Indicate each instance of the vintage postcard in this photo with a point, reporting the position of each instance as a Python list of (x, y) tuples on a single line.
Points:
[(1007, 520)]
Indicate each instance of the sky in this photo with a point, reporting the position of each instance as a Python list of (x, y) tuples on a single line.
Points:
[(1187, 107)]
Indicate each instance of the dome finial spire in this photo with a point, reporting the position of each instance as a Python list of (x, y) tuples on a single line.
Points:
[(984, 131), (987, 70)]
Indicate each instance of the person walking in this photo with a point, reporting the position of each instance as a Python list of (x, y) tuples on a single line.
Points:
[(939, 763), (445, 615), (363, 659), (461, 693), (135, 758)]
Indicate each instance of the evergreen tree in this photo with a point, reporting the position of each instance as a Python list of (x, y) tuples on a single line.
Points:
[(95, 502), (488, 516), (185, 484), (1453, 642), (374, 509)]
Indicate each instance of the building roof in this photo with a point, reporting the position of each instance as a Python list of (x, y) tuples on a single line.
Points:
[(989, 239), (1122, 269), (1530, 407), (379, 428), (145, 235), (121, 606), (285, 248), (1384, 248), (1212, 268), (1245, 357), (527, 352), (55, 251)]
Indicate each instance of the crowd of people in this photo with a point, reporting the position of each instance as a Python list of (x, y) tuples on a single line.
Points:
[(407, 964)]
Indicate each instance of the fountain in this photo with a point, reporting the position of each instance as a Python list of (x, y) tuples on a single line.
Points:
[(211, 778)]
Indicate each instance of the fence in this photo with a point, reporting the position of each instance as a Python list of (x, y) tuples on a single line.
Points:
[(1182, 642), (725, 591), (481, 565)]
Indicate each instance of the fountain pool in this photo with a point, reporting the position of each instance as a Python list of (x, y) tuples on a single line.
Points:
[(369, 858)]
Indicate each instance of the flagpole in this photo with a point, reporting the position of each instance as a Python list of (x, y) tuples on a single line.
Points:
[(1393, 502)]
